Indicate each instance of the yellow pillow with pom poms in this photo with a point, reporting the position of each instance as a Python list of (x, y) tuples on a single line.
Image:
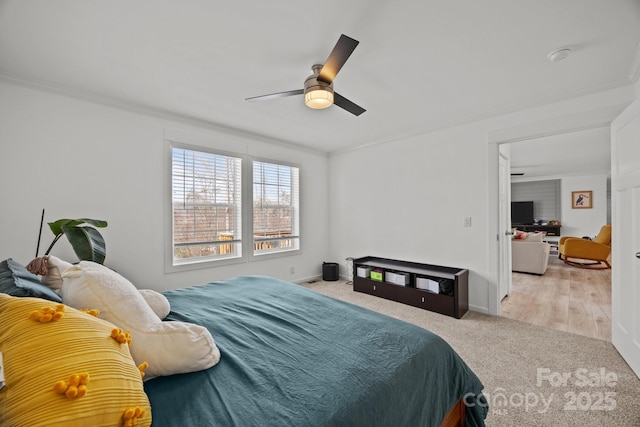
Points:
[(62, 367)]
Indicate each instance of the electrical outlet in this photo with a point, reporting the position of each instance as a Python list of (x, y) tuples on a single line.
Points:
[(292, 270), (467, 221)]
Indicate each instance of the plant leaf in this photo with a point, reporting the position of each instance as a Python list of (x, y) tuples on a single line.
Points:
[(95, 222), (56, 226), (87, 242)]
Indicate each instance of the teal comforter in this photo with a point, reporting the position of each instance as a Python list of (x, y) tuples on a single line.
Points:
[(292, 357)]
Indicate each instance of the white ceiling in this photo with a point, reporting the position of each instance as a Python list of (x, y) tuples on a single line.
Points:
[(420, 65), (575, 153)]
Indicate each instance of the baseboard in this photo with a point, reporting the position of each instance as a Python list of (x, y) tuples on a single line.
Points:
[(307, 279), (479, 309)]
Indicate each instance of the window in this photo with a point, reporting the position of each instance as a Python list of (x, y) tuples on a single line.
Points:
[(275, 208), (206, 205), (229, 208)]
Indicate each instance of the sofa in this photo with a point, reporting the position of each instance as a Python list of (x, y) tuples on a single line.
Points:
[(529, 254)]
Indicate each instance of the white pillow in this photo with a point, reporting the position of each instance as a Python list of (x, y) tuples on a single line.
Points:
[(168, 347), (55, 267), (535, 237), (158, 302)]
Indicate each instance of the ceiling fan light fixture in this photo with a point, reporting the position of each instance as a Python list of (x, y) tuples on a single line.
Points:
[(318, 87), (318, 94), (318, 98)]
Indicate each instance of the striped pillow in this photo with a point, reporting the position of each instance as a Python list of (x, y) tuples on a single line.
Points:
[(48, 350)]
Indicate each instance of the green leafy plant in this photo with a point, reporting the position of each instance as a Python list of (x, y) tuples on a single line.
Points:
[(82, 234)]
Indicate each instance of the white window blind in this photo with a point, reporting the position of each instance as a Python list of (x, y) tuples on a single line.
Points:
[(276, 201), (206, 205)]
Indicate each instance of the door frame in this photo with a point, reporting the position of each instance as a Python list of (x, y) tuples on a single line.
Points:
[(504, 212), (557, 126)]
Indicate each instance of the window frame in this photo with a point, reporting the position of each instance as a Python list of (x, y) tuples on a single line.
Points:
[(246, 216), (192, 264), (283, 253)]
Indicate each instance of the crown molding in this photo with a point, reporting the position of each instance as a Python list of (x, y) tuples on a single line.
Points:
[(112, 102), (516, 108), (168, 115), (521, 179)]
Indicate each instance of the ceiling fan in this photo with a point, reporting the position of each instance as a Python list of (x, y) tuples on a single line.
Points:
[(318, 88)]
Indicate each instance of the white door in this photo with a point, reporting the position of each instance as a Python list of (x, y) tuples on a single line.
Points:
[(504, 197), (625, 257)]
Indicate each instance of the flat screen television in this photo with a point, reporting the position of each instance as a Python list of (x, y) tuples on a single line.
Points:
[(522, 213)]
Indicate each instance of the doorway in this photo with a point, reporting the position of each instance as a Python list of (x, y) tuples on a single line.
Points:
[(564, 298)]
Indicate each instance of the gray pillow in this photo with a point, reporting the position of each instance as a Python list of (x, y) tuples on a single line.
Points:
[(17, 281)]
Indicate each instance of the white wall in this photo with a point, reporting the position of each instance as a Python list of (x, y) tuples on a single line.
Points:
[(82, 159), (407, 199), (583, 222), (403, 199)]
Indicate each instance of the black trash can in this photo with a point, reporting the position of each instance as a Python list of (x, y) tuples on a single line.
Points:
[(330, 271)]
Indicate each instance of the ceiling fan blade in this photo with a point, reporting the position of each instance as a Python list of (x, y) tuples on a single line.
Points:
[(345, 104), (338, 56), (276, 95)]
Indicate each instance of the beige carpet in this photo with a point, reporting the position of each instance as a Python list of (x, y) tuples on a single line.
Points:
[(522, 366)]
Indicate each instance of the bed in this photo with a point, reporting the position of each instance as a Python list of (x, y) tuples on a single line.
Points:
[(293, 357)]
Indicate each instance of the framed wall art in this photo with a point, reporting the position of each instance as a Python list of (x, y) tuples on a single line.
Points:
[(581, 199)]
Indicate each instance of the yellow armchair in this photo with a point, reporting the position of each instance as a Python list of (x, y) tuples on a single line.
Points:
[(597, 250)]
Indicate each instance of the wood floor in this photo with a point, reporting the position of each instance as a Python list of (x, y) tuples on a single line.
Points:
[(565, 298)]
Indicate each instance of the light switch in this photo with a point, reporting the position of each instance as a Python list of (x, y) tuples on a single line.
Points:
[(467, 221)]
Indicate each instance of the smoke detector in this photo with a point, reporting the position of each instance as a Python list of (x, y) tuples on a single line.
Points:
[(559, 54)]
